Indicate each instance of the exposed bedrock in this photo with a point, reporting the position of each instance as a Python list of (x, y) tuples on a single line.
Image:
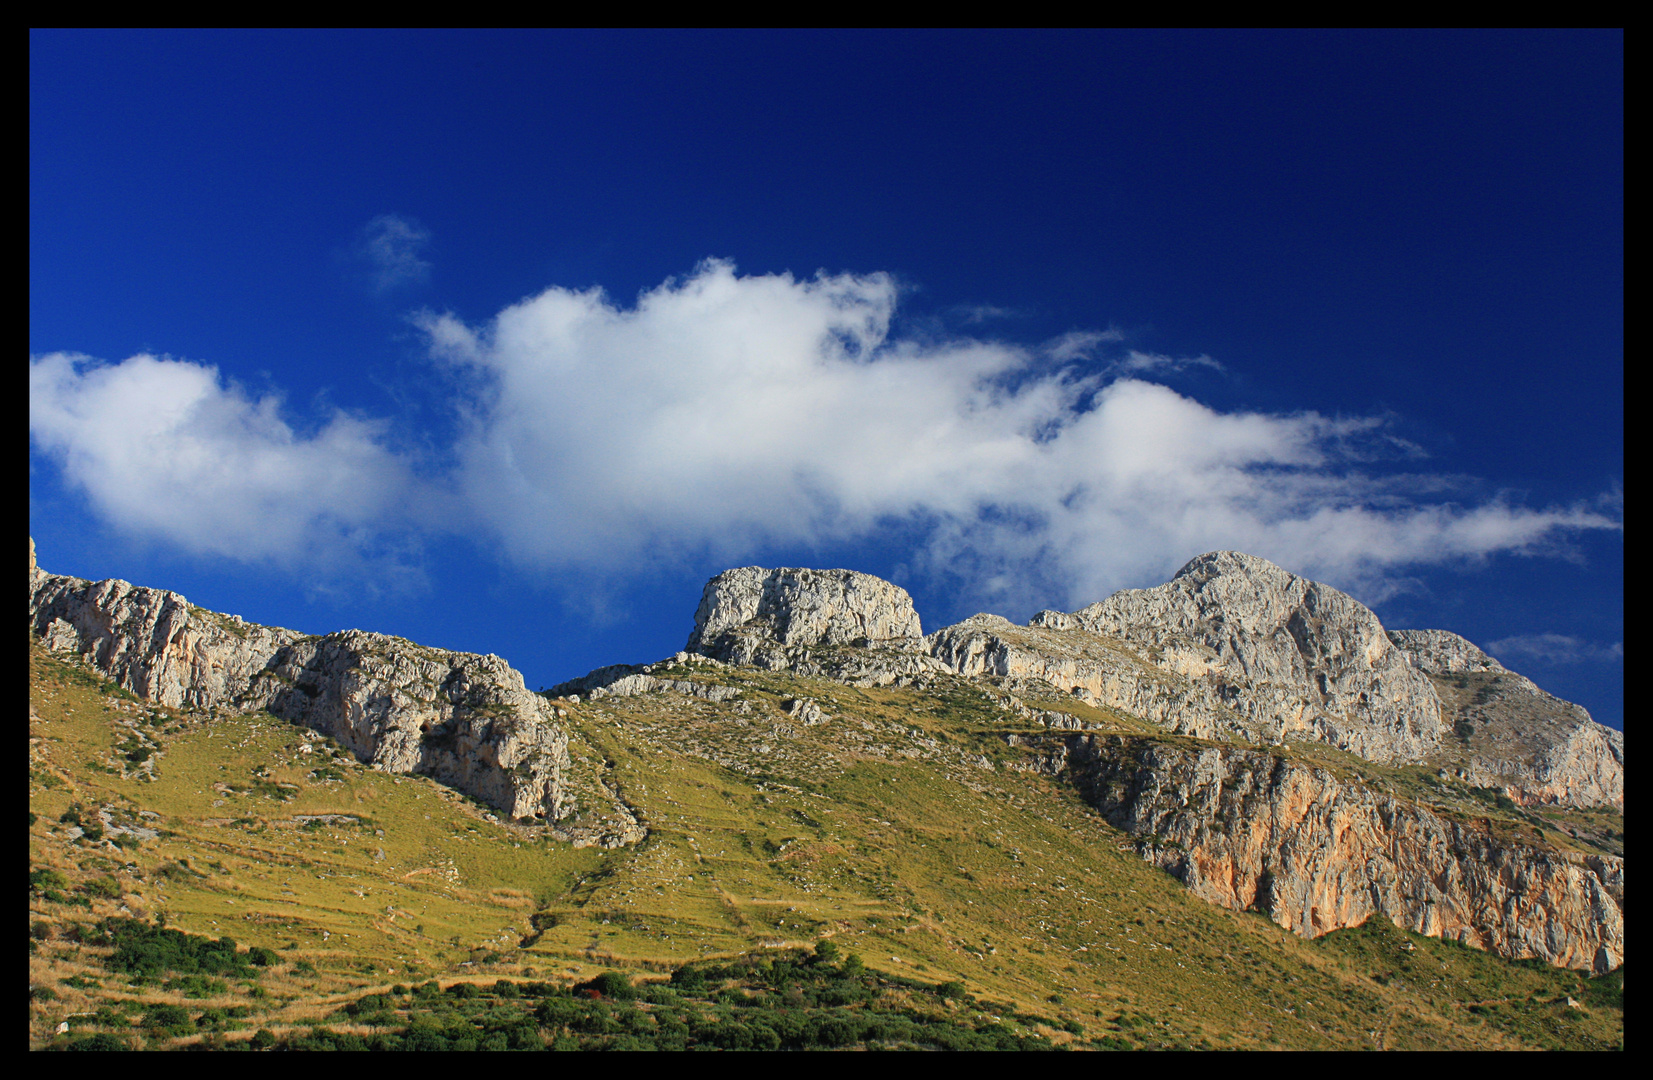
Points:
[(1244, 828), (1511, 735), (464, 719), (1290, 655), (742, 611)]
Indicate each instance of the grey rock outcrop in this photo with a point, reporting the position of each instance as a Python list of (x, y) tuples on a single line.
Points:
[(1288, 654), (1098, 669), (150, 641), (1243, 828), (1441, 652), (1510, 734), (464, 719), (1235, 648), (630, 680), (751, 610)]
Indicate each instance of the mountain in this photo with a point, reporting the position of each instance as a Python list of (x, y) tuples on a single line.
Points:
[(1251, 741)]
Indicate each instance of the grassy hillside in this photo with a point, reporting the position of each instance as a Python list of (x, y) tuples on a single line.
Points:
[(962, 897)]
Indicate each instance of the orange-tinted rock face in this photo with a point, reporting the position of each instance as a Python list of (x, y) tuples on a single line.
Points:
[(1244, 828)]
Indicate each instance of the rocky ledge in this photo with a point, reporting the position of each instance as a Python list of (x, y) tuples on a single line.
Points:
[(463, 719)]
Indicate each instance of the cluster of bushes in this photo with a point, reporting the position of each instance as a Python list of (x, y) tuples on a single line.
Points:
[(800, 1001), (53, 886), (795, 1002), (147, 951)]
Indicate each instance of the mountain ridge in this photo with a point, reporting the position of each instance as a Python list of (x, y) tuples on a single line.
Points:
[(1233, 651)]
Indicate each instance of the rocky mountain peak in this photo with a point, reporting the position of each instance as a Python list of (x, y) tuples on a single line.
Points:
[(751, 606), (1234, 563), (1286, 651)]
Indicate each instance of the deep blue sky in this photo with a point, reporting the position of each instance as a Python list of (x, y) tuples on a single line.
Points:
[(1424, 230)]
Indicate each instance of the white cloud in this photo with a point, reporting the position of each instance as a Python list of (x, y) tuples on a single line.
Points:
[(726, 413), (390, 248), (1555, 649), (164, 449), (721, 415)]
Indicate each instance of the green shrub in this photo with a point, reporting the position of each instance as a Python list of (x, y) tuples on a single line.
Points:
[(142, 949), (100, 1041), (48, 883), (611, 984), (168, 1020), (105, 886), (689, 979)]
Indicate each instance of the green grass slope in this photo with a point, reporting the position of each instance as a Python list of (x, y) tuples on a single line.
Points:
[(966, 901)]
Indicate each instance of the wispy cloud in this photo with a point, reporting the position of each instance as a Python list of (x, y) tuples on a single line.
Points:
[(390, 251), (1080, 344), (1141, 363), (1556, 649), (721, 415)]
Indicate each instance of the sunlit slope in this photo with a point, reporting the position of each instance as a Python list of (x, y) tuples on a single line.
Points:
[(901, 826)]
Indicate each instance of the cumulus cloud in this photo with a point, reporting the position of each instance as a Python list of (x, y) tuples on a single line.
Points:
[(1555, 649), (166, 449), (390, 251), (721, 415)]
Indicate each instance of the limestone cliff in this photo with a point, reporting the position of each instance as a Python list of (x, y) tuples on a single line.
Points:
[(743, 610), (1244, 828), (152, 642), (838, 623), (466, 720), (1236, 648), (1511, 735), (1098, 669), (1294, 657)]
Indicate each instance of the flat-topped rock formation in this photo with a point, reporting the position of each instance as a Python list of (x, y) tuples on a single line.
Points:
[(743, 610)]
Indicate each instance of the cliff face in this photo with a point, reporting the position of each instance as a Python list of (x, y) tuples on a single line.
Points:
[(1236, 648), (1100, 670), (1243, 828), (465, 720), (1511, 735), (150, 641)]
